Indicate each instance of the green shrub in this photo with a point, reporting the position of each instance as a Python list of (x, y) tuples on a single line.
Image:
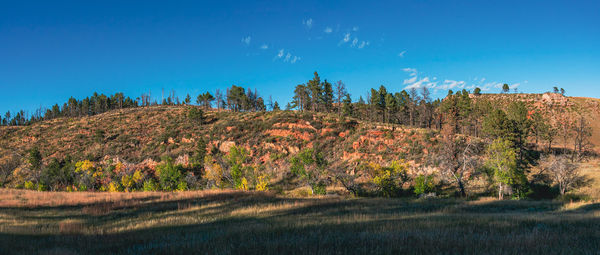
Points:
[(150, 185), (169, 174), (424, 184), (29, 185)]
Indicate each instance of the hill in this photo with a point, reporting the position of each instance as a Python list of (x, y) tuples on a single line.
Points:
[(141, 138)]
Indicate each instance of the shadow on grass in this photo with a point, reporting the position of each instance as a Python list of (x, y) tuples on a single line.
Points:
[(321, 226)]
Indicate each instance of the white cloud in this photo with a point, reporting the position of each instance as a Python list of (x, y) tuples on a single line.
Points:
[(354, 42), (421, 83), (308, 23), (411, 80), (401, 54), (264, 47), (328, 30), (346, 37), (355, 28), (412, 71), (286, 56), (451, 84), (246, 40), (363, 44)]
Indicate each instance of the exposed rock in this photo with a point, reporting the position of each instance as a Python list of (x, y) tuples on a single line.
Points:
[(226, 146)]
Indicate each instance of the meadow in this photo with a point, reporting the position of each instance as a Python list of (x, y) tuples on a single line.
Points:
[(237, 222)]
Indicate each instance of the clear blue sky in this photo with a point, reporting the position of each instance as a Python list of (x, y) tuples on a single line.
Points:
[(51, 50)]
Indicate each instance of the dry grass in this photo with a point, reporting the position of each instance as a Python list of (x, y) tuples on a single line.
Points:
[(232, 222)]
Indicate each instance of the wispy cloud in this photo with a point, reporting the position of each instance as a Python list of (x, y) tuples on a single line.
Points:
[(411, 71), (287, 57), (363, 44), (410, 80), (416, 82), (328, 30), (308, 23), (355, 28), (264, 47), (346, 37), (452, 84), (401, 54), (354, 42), (246, 40)]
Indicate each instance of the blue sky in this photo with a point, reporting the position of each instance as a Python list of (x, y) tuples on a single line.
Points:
[(51, 50)]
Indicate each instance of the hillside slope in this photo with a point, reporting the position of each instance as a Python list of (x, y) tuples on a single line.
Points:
[(144, 135)]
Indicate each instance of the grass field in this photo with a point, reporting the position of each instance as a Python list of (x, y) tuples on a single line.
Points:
[(231, 222)]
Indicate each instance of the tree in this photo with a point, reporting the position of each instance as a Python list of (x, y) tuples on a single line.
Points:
[(169, 174), (195, 115), (347, 107), (562, 91), (188, 99), (198, 157), (236, 98), (502, 158), (316, 90), (340, 94), (219, 99), (7, 165), (301, 100), (327, 100), (34, 158), (583, 132), (309, 165), (458, 159), (346, 173), (205, 100), (505, 88), (556, 90), (477, 91), (237, 157), (276, 107), (562, 171)]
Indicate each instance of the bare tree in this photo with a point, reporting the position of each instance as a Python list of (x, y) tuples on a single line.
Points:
[(458, 159), (340, 93), (562, 171), (219, 98), (346, 173), (7, 166), (583, 132)]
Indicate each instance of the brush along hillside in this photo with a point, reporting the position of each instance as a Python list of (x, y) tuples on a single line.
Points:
[(140, 138), (396, 144)]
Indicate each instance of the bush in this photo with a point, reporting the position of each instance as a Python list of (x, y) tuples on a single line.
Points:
[(388, 180), (424, 184), (262, 183), (29, 185), (169, 174), (150, 185), (195, 115)]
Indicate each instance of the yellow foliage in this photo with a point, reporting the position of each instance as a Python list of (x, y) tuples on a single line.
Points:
[(262, 183), (119, 167), (114, 187), (213, 172), (84, 166), (244, 184), (138, 176), (29, 185), (127, 182)]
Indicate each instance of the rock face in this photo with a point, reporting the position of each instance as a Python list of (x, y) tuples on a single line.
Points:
[(225, 146), (555, 99)]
